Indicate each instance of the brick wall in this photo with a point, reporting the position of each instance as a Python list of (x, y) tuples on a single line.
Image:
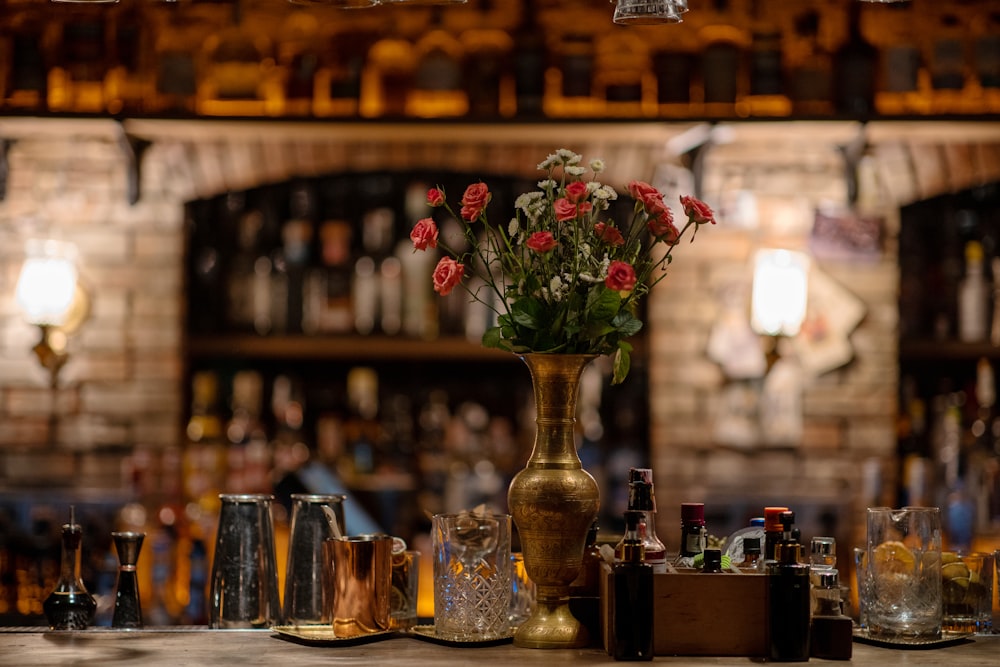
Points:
[(122, 388)]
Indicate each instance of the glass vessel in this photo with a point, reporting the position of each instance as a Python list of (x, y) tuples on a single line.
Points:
[(69, 606)]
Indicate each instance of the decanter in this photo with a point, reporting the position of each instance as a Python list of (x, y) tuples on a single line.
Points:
[(70, 606)]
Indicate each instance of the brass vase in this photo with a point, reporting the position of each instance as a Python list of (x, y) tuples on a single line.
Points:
[(553, 501)]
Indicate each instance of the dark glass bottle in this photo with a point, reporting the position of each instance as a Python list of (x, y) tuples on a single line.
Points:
[(831, 633), (633, 597), (788, 599), (855, 77), (692, 529), (69, 606), (640, 498), (712, 562), (751, 552), (772, 530), (528, 63)]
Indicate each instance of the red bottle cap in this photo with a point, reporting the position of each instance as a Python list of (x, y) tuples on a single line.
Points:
[(772, 519), (693, 513)]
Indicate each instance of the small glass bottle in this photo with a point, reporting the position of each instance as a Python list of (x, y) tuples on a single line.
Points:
[(712, 561), (973, 297), (69, 606), (772, 530), (788, 599), (692, 530), (831, 633), (633, 597), (751, 553)]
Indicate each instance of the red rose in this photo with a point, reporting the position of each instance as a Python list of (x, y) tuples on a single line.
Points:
[(424, 234), (565, 209), (475, 199), (662, 226), (697, 210), (652, 200), (576, 191), (435, 198), (621, 277), (608, 234), (447, 274), (541, 242)]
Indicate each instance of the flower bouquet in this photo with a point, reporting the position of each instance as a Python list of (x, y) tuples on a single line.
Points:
[(560, 277)]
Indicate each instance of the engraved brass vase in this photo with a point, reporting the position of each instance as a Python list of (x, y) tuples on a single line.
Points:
[(553, 501)]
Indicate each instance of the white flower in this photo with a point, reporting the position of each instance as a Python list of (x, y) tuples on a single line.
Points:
[(512, 228), (588, 278), (555, 286), (525, 200), (597, 165), (584, 250), (568, 156), (609, 192), (575, 171), (547, 184), (592, 187)]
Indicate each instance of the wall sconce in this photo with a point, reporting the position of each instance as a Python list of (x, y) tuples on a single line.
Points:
[(51, 297), (780, 286)]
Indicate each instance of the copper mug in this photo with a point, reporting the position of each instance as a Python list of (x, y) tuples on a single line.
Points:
[(361, 580)]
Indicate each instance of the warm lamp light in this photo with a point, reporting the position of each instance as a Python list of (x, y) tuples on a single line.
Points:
[(50, 296), (780, 285)]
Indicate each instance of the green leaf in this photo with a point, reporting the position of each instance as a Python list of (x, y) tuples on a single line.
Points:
[(623, 363), (492, 337), (626, 324), (527, 313), (602, 303)]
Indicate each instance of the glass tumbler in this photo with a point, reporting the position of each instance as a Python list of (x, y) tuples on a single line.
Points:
[(308, 599), (472, 575), (244, 590), (903, 587), (649, 12)]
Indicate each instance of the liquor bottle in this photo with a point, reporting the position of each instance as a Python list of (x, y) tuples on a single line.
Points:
[(298, 61), (831, 632), (25, 84), (640, 499), (569, 88), (129, 84), (899, 91), (486, 70), (767, 71), (178, 44), (69, 606), (812, 68), (674, 64), (987, 59), (947, 65), (854, 80), (296, 237), (76, 82), (238, 77), (204, 457), (772, 530), (632, 582), (722, 74), (362, 427), (244, 310), (248, 455), (788, 599), (388, 75), (438, 83), (338, 79), (378, 238), (329, 284), (529, 63), (693, 534), (623, 80), (973, 297)]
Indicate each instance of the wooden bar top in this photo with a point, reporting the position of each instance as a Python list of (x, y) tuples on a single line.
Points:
[(192, 648)]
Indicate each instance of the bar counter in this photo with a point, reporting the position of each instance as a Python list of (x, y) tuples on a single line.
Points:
[(191, 648)]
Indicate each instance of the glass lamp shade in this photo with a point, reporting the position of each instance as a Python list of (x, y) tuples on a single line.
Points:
[(47, 284), (780, 287)]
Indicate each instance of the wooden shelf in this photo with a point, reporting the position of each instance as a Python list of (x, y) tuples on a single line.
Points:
[(342, 348), (946, 350)]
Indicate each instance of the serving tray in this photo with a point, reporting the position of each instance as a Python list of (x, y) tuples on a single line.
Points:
[(946, 639), (322, 635)]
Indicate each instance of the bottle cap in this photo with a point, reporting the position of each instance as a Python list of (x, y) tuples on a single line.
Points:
[(828, 578), (751, 545), (713, 559), (693, 513), (641, 475), (823, 546), (757, 522), (772, 518), (787, 552)]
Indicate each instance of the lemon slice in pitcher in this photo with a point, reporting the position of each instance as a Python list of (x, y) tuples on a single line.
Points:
[(893, 556)]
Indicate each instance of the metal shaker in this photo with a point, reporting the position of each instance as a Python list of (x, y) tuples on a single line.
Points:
[(308, 596)]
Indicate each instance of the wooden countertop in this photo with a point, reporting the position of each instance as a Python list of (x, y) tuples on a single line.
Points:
[(192, 648)]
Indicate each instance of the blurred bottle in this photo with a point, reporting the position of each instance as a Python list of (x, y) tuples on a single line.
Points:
[(438, 81), (623, 79), (239, 77), (25, 80), (178, 42), (130, 83), (973, 297), (76, 81), (487, 76), (724, 79), (529, 62), (675, 68), (987, 59), (362, 426), (569, 81), (296, 237), (811, 65), (204, 461), (899, 91), (767, 95), (298, 62), (389, 73), (378, 238), (947, 65), (248, 303), (338, 80), (856, 61), (248, 455)]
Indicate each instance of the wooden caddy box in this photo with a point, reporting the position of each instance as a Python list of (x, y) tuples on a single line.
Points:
[(700, 614)]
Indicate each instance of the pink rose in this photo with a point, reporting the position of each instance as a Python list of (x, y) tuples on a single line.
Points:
[(608, 234), (652, 200), (424, 234), (576, 191), (475, 199), (541, 242), (435, 198), (621, 277), (565, 209), (447, 274), (697, 210), (662, 226)]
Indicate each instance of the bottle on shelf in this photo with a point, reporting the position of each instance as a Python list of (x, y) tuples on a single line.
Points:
[(623, 78), (177, 45), (248, 457), (723, 77), (76, 81), (529, 63), (204, 457), (569, 82), (388, 76), (767, 96), (788, 598), (298, 61), (641, 500), (438, 90), (973, 297), (811, 66), (856, 61), (693, 532), (674, 66), (947, 65), (329, 288), (987, 61), (296, 240), (831, 631), (338, 80), (25, 77), (362, 427), (632, 581), (487, 77), (900, 87)]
